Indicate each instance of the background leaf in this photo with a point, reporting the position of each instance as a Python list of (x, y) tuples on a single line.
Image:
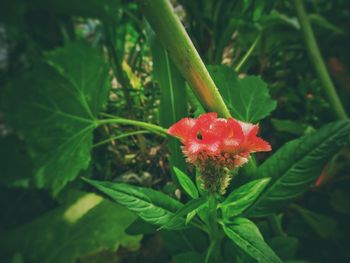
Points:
[(173, 102), (56, 111), (243, 197), (247, 236), (85, 225), (296, 165), (248, 99), (152, 206)]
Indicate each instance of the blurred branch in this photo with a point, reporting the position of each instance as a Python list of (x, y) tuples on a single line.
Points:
[(247, 55), (317, 61)]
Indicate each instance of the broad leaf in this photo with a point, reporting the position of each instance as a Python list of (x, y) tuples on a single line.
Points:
[(183, 211), (296, 165), (152, 206), (248, 99), (56, 111), (247, 237), (87, 225), (173, 104), (241, 198), (186, 183)]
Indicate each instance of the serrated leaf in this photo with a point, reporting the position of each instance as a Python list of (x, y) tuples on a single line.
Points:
[(56, 111), (243, 197), (248, 99), (247, 237), (64, 234), (296, 165), (186, 183), (184, 210), (152, 206)]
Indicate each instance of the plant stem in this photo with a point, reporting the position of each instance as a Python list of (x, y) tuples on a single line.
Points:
[(173, 36), (148, 126), (116, 63), (247, 55), (317, 61), (113, 138), (213, 225)]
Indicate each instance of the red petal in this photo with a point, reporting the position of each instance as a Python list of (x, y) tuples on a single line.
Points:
[(183, 129), (252, 143), (256, 144)]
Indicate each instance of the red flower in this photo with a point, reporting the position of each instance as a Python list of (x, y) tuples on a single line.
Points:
[(226, 142)]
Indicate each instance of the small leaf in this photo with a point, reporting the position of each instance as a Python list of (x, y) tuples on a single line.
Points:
[(190, 216), (187, 208), (241, 198), (152, 206), (248, 99), (186, 183), (247, 236), (296, 165)]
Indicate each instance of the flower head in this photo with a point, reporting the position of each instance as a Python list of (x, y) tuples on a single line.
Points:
[(209, 141)]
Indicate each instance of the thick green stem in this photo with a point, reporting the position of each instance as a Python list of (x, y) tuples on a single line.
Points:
[(173, 36), (317, 61)]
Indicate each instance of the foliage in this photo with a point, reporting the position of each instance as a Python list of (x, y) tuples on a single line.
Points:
[(88, 89)]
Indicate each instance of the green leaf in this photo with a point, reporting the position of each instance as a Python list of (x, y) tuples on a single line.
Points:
[(152, 206), (248, 99), (83, 226), (186, 209), (321, 21), (56, 111), (296, 165), (173, 103), (286, 247), (186, 183), (103, 9), (15, 165), (247, 237), (289, 126), (324, 226), (243, 197)]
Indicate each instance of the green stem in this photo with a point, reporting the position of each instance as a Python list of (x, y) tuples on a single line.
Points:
[(212, 225), (173, 36), (247, 55), (113, 138), (210, 250), (116, 63), (318, 63), (148, 126)]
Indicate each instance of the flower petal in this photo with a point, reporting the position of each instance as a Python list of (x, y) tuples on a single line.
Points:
[(183, 129)]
